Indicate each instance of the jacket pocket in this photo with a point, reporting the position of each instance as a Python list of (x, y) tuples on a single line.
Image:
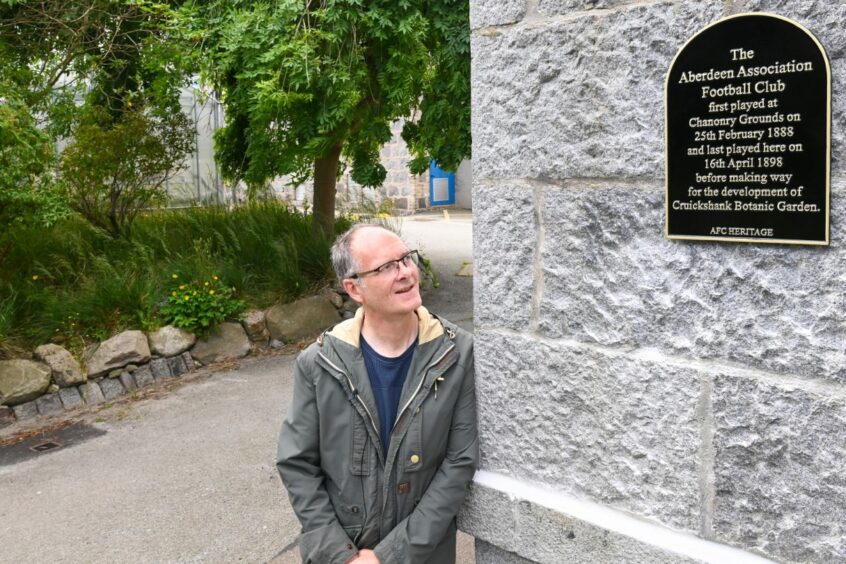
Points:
[(360, 459)]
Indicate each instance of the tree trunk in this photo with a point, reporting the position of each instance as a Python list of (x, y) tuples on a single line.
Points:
[(325, 177)]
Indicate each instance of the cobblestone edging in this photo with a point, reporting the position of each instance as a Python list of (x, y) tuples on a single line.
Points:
[(133, 376)]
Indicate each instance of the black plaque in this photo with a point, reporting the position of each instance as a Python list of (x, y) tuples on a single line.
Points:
[(748, 134)]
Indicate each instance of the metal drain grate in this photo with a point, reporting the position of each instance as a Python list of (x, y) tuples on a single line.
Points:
[(43, 447)]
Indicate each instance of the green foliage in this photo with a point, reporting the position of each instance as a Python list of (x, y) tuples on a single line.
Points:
[(116, 169), (300, 78), (76, 273), (198, 306)]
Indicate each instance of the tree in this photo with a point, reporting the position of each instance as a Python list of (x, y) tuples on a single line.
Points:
[(309, 86)]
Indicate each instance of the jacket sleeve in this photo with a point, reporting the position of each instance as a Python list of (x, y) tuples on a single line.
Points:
[(417, 536), (323, 540)]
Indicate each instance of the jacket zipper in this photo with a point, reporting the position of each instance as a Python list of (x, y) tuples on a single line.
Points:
[(354, 392), (423, 379)]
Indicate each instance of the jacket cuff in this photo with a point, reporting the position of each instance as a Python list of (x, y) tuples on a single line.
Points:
[(329, 544)]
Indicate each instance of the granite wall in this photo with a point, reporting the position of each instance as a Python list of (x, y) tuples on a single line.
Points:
[(640, 399)]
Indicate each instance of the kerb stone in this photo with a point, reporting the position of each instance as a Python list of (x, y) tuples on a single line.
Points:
[(111, 388), (7, 416), (128, 381), (91, 393), (49, 404), (177, 366), (25, 411), (143, 376), (160, 368), (70, 397)]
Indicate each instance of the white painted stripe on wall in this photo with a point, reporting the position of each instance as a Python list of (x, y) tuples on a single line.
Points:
[(604, 517)]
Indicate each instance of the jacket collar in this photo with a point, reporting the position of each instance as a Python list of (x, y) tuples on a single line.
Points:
[(429, 327)]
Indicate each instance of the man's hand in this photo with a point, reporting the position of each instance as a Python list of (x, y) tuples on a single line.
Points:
[(364, 556)]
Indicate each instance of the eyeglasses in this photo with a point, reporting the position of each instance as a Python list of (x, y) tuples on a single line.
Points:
[(392, 266)]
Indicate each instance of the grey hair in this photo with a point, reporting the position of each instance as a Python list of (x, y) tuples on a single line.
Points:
[(342, 259)]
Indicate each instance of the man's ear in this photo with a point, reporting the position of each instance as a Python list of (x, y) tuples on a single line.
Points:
[(352, 289)]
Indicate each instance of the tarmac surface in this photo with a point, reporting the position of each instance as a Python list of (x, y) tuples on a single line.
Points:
[(184, 472)]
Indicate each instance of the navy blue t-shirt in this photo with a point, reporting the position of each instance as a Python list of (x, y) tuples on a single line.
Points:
[(387, 376)]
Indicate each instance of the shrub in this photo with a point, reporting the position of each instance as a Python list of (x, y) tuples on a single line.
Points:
[(200, 306)]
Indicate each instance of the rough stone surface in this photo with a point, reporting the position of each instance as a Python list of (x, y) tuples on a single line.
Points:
[(578, 97), (610, 277), (70, 397), (230, 341), (91, 393), (301, 319), (533, 533), (780, 470), (504, 237), (177, 366), (620, 431), (485, 13), (122, 349), (143, 376), (188, 360), (255, 325), (334, 297), (22, 380), (49, 404), (25, 411), (170, 341), (128, 382), (7, 416), (562, 7), (111, 388), (53, 389), (160, 368), (487, 553), (115, 373), (66, 370)]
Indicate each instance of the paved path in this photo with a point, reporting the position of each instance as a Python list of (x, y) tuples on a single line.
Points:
[(185, 475)]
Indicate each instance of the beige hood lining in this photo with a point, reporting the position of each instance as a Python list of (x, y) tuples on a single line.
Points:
[(349, 331)]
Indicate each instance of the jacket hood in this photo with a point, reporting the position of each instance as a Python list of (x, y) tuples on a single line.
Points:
[(429, 327)]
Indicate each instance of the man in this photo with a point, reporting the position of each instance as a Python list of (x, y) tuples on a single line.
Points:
[(380, 442)]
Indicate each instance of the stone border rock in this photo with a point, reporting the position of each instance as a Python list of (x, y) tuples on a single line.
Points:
[(133, 360)]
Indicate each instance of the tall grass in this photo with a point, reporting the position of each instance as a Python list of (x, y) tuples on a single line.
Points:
[(73, 283)]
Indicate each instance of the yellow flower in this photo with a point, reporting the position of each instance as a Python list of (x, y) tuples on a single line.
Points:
[(194, 293), (182, 286), (35, 277), (187, 297), (211, 292), (215, 277), (174, 276), (173, 294), (205, 283)]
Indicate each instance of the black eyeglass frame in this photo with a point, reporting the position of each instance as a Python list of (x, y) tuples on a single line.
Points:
[(379, 269)]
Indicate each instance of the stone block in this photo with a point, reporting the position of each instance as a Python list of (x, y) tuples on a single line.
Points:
[(7, 416), (70, 397), (623, 432), (25, 411), (300, 319), (170, 341), (564, 7), (779, 470), (484, 13), (177, 366), (504, 239), (610, 277), (49, 404), (255, 325), (128, 381), (91, 393), (111, 388), (22, 380), (66, 370), (227, 342), (581, 96), (188, 360), (487, 553), (143, 376), (544, 535), (160, 368)]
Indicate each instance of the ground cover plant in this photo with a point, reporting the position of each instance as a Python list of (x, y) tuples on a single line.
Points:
[(75, 283)]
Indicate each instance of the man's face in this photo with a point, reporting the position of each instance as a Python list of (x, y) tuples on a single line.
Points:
[(393, 293)]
